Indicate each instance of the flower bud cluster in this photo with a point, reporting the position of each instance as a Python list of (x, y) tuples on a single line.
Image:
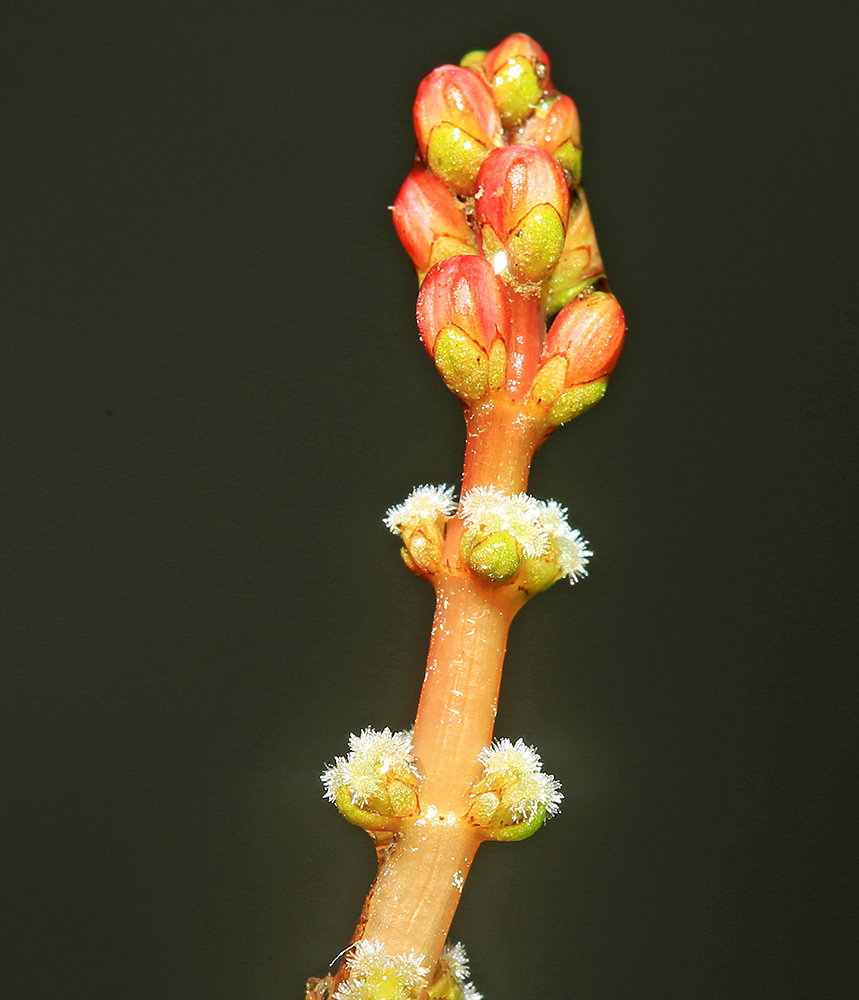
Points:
[(374, 974), (493, 211), (514, 796), (377, 781), (520, 539), (419, 520)]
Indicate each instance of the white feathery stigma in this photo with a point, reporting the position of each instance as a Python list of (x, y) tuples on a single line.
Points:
[(519, 770), (573, 551), (424, 503), (373, 757), (374, 973), (455, 958)]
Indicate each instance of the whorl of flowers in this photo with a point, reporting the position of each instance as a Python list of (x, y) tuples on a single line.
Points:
[(539, 527), (374, 760), (515, 773)]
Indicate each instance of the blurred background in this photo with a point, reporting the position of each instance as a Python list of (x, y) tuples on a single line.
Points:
[(212, 391)]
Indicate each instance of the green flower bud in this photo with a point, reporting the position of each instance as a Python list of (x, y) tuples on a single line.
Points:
[(376, 784), (580, 265), (538, 574), (549, 382), (451, 975), (497, 364), (518, 71), (517, 831), (423, 545)]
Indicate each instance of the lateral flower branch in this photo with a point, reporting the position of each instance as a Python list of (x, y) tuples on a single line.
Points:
[(493, 217)]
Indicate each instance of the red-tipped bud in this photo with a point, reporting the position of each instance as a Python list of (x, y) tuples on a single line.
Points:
[(456, 124), (580, 265), (430, 222), (588, 334), (462, 292), (555, 127), (463, 320), (553, 124), (518, 73), (522, 203)]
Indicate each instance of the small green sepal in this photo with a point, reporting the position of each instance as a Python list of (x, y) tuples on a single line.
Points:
[(535, 246), (517, 831), (454, 156), (474, 60), (463, 364), (364, 818), (576, 401), (516, 90)]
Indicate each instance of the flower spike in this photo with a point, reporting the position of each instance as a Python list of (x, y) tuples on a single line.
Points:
[(498, 228)]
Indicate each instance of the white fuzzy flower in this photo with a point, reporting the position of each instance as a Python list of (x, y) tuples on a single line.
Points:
[(515, 771), (425, 504), (374, 758), (373, 973), (538, 526), (519, 515)]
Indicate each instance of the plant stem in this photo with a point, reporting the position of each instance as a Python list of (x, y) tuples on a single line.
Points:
[(420, 879)]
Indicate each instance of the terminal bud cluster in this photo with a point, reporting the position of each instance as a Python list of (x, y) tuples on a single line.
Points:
[(492, 212)]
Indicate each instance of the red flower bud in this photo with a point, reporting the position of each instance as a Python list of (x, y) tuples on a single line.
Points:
[(462, 292), (456, 124), (518, 74), (430, 222), (515, 47), (588, 334), (553, 124), (580, 262), (522, 204)]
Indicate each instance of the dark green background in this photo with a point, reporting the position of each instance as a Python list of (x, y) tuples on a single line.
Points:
[(213, 389)]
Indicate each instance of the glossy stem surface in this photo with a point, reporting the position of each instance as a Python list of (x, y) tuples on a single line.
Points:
[(420, 879)]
